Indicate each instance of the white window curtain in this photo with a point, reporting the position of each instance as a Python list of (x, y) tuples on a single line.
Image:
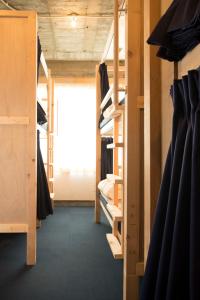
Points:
[(76, 129)]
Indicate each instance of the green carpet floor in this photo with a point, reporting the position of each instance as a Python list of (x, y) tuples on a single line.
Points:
[(74, 261)]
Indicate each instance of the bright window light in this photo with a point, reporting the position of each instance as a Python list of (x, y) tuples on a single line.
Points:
[(76, 130)]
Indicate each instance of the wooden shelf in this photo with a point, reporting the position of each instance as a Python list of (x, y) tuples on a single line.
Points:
[(114, 179), (114, 246), (115, 145), (115, 212)]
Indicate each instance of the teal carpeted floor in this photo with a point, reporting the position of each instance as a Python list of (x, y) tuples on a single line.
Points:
[(74, 261)]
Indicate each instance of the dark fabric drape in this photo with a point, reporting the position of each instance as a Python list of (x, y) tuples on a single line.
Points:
[(178, 31), (39, 52), (106, 158), (173, 264), (44, 205), (104, 85)]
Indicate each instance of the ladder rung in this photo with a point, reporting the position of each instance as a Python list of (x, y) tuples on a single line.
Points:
[(115, 145), (114, 246), (51, 179)]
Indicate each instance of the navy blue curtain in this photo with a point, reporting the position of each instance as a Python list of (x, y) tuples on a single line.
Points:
[(44, 205), (173, 264), (106, 157), (104, 86), (178, 31)]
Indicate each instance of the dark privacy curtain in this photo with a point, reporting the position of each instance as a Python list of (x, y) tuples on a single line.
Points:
[(106, 158), (173, 264), (178, 31), (44, 204), (104, 85)]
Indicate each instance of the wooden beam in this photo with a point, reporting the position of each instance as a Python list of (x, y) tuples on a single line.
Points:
[(132, 196), (152, 121), (116, 54), (98, 147), (13, 228)]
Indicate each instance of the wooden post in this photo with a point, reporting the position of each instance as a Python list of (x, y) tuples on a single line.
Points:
[(152, 121), (98, 147), (134, 84), (116, 54)]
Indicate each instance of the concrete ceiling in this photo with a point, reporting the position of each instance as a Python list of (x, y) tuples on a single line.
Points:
[(60, 41)]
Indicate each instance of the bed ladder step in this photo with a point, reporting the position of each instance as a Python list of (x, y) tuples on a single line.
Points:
[(114, 179), (115, 212), (116, 112), (115, 145), (114, 246)]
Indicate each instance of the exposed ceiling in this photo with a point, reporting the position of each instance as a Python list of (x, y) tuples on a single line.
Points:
[(60, 41)]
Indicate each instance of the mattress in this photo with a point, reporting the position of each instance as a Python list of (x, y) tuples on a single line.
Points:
[(103, 121)]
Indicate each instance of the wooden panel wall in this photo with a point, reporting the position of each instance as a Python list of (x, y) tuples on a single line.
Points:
[(18, 139)]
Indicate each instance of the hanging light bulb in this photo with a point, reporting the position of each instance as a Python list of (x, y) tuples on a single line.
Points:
[(74, 22)]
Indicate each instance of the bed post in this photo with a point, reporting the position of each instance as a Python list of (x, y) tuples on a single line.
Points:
[(98, 147)]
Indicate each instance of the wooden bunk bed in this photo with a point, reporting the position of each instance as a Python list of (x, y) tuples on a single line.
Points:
[(112, 126), (130, 246), (49, 135), (18, 32)]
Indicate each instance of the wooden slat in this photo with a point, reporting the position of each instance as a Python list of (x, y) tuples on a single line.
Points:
[(98, 148), (114, 246), (13, 228), (115, 145), (14, 120), (134, 82), (115, 212)]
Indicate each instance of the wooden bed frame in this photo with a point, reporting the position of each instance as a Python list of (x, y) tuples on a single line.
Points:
[(133, 175), (18, 80), (18, 110)]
